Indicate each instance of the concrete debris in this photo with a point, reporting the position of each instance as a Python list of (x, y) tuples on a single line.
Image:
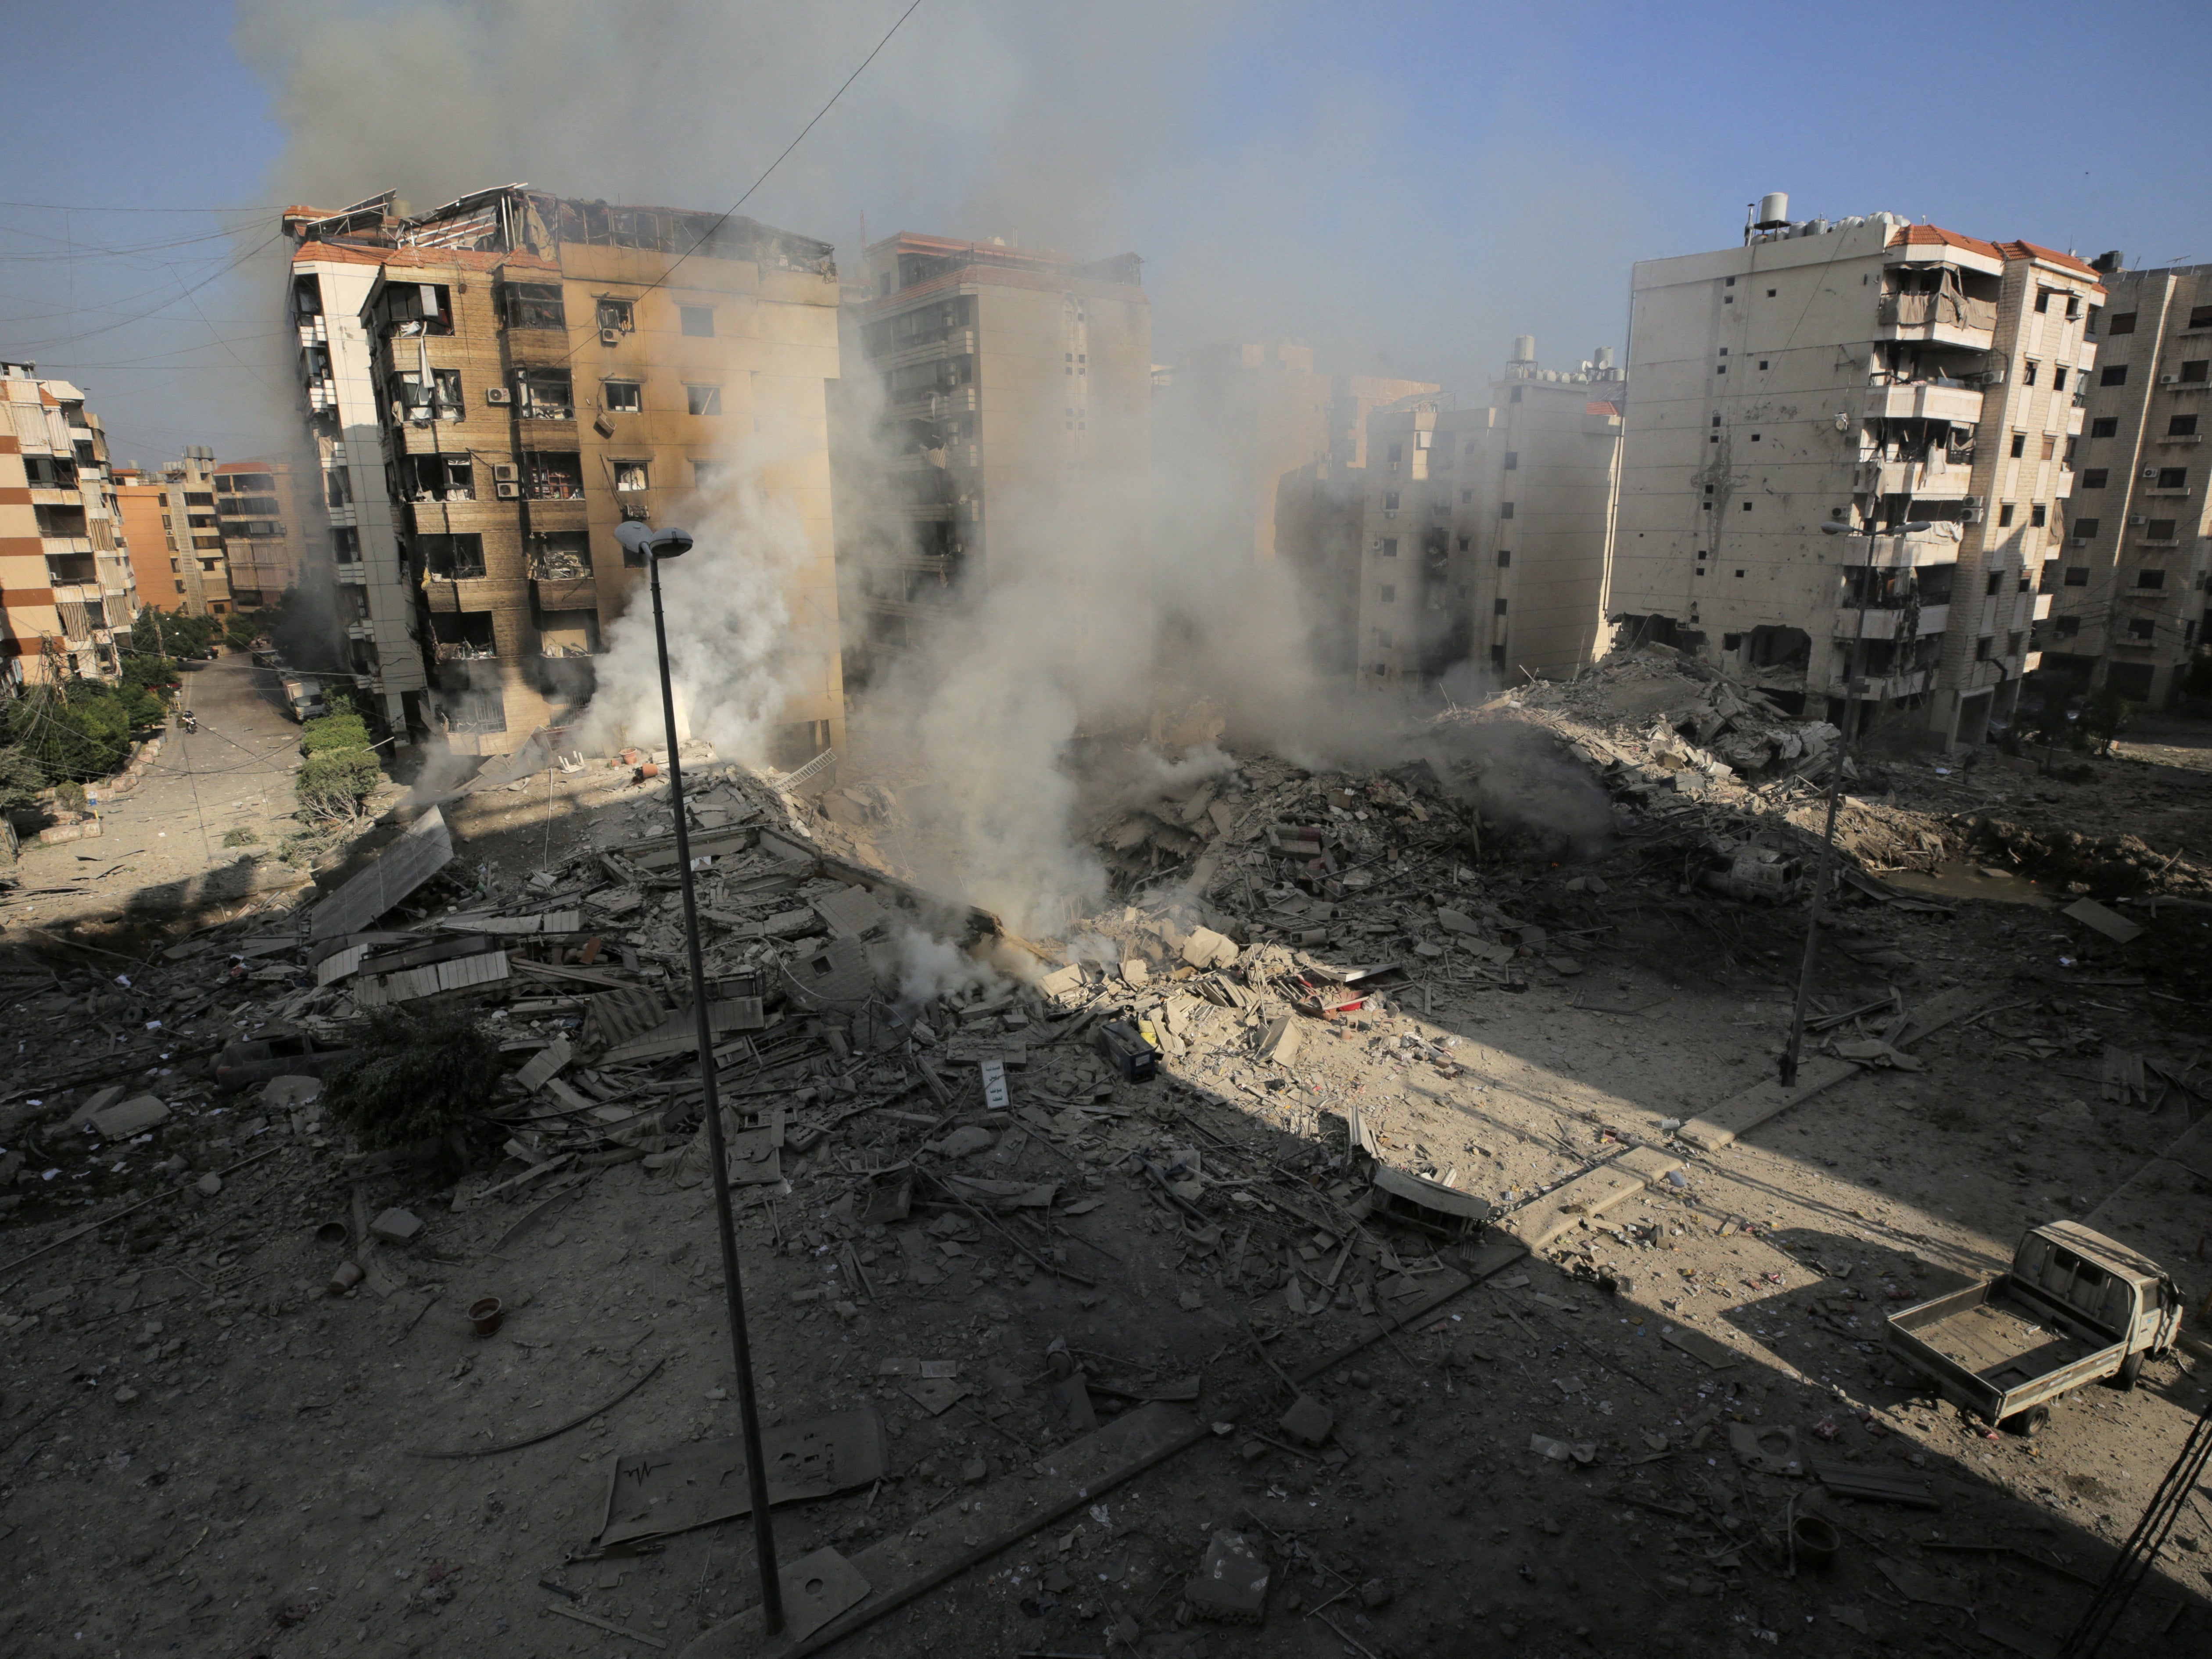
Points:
[(1230, 1584)]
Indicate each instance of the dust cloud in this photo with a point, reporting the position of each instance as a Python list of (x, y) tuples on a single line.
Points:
[(1082, 129)]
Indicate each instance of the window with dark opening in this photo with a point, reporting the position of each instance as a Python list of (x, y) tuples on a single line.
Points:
[(704, 399), (534, 305), (2113, 374), (698, 321)]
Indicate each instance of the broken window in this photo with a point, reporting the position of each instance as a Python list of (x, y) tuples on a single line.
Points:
[(704, 399), (632, 475), (616, 313), (450, 558), (552, 477), (533, 305), (561, 557), (544, 394), (2028, 374), (621, 396), (345, 545), (698, 321), (437, 478), (308, 295), (337, 487)]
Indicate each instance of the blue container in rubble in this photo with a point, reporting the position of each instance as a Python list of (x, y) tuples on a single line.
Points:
[(1136, 1059)]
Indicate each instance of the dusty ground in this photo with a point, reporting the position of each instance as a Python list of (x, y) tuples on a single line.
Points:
[(202, 1453)]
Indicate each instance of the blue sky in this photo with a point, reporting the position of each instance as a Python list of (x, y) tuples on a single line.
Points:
[(1402, 185)]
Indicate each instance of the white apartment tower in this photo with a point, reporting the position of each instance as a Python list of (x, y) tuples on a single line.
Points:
[(1866, 372)]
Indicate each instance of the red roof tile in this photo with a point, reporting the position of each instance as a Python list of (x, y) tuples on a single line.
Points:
[(1937, 236)]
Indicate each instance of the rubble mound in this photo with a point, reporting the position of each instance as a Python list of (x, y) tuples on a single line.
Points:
[(2107, 865)]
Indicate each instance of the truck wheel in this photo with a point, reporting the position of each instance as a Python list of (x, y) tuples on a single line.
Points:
[(2028, 1424), (2130, 1369)]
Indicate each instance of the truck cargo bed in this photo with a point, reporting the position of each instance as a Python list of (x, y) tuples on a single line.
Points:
[(2003, 1342)]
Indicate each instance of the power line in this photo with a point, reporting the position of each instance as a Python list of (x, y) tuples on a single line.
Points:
[(73, 206)]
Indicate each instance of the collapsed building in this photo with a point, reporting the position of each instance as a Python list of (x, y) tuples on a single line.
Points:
[(2128, 604), (1869, 373), (491, 388)]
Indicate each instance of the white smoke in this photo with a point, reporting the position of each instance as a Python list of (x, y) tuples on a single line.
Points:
[(735, 652)]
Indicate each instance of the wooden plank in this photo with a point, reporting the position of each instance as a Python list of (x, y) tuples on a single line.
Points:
[(1713, 1129)]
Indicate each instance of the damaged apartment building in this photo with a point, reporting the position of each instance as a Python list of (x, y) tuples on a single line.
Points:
[(1259, 456), (1483, 539), (66, 587), (994, 428), (493, 387), (1866, 373), (2127, 593)]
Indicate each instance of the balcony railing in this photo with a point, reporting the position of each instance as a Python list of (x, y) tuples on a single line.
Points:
[(1936, 310)]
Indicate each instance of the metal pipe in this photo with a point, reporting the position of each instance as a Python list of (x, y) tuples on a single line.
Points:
[(725, 1218)]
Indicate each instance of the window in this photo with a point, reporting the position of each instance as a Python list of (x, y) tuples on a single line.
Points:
[(1747, 507), (2120, 322), (1996, 583), (2004, 513), (2042, 299), (2038, 515), (2181, 426), (2173, 478), (621, 396), (1383, 638), (1389, 501), (2066, 627), (2077, 576), (2159, 530), (544, 394), (698, 321), (1389, 593), (450, 558), (1389, 547), (1762, 362), (618, 313), (1465, 543), (1516, 396), (1505, 510), (2085, 528), (705, 475), (1754, 437), (704, 399), (2142, 628), (1981, 647), (2200, 317), (1512, 459), (2029, 374), (2019, 443), (2150, 579), (2093, 477), (1466, 496), (1717, 419), (534, 305), (1498, 609), (2050, 445), (1497, 652), (2105, 425), (2113, 374), (1505, 558), (1770, 294), (1397, 453), (2196, 371), (632, 475), (2058, 378)]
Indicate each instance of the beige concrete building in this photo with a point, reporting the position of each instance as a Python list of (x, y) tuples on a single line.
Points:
[(264, 539), (1861, 372), (67, 597), (141, 502), (203, 563), (1002, 434), (2128, 592), (1485, 531), (491, 388)]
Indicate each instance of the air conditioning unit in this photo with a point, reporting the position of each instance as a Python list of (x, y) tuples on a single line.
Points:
[(634, 510), (1972, 503), (1970, 514), (603, 424), (2169, 379), (2149, 475), (609, 336), (504, 472), (2136, 521), (507, 490), (498, 394)]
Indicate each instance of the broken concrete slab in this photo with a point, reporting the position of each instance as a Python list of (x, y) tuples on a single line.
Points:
[(1591, 1194), (543, 1064), (654, 1494), (130, 1117), (1279, 1043), (426, 849), (2111, 923), (1206, 948), (397, 1226), (1307, 1421), (1230, 1584)]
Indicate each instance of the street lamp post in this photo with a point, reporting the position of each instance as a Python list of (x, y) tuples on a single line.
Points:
[(1852, 685), (655, 545)]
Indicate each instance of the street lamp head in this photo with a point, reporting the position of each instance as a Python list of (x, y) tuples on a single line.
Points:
[(643, 540), (1834, 527), (1915, 527)]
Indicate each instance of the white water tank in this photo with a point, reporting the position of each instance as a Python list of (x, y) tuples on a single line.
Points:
[(1773, 210), (1524, 349)]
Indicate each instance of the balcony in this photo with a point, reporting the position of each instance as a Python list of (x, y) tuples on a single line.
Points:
[(2041, 606), (1941, 318), (1886, 622), (2076, 417), (567, 593), (322, 394), (1926, 400), (1886, 688), (950, 343), (1927, 480)]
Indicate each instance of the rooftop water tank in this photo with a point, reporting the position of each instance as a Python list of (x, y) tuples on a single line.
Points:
[(1602, 357), (1524, 349), (1773, 210)]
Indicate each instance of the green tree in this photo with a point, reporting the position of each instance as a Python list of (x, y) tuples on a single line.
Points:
[(241, 627), (21, 777), (334, 730), (173, 632), (2105, 716), (415, 1074), (337, 783), (78, 730)]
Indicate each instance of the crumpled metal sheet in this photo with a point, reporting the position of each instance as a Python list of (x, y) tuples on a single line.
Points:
[(653, 1494)]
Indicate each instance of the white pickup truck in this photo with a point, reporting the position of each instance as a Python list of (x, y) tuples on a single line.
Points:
[(2076, 1307)]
